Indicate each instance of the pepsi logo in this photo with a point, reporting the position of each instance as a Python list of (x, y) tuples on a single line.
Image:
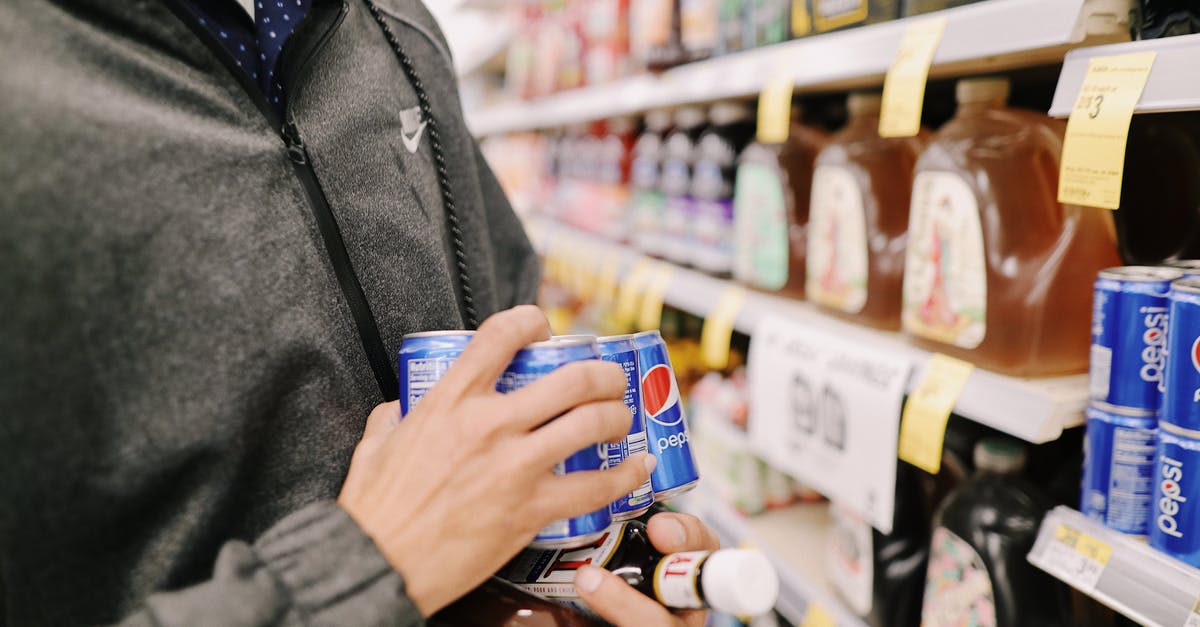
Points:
[(660, 394), (1196, 354)]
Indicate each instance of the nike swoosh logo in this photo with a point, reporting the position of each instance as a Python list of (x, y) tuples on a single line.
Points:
[(412, 143)]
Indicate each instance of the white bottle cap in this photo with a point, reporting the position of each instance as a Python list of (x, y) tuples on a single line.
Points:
[(739, 582)]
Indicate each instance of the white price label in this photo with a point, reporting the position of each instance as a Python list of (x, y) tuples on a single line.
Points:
[(826, 410), (1076, 558)]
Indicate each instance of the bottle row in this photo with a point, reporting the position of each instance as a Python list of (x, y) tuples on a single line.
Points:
[(563, 45), (955, 236)]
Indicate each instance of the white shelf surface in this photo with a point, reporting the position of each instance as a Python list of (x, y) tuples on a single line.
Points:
[(1137, 581), (793, 538), (1035, 410), (1173, 84), (984, 37)]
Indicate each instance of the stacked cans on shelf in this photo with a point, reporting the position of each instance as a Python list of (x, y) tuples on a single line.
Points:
[(1141, 471), (652, 395)]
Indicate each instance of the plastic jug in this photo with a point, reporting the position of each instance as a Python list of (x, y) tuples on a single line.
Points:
[(771, 196), (858, 220), (997, 271)]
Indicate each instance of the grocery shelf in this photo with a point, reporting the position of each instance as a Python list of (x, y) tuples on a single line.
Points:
[(793, 538), (984, 37), (1035, 410), (1173, 84), (1120, 571)]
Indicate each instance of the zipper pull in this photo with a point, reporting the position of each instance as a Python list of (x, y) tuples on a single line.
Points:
[(295, 145)]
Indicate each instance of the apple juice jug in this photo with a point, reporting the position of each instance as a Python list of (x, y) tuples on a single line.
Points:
[(998, 272), (858, 218)]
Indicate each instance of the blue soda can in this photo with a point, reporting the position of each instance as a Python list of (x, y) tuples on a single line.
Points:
[(424, 358), (1181, 371), (530, 364), (1189, 267), (1175, 528), (666, 426), (1129, 329), (620, 349), (1118, 467)]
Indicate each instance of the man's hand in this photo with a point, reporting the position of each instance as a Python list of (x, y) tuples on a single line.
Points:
[(610, 597), (465, 481)]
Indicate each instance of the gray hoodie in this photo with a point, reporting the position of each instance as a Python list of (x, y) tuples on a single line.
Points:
[(197, 315)]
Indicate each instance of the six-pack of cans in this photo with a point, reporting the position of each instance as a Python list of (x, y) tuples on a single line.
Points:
[(652, 395), (1141, 471)]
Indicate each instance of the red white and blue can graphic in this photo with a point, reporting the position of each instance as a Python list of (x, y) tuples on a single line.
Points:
[(621, 350), (424, 358), (1181, 371), (530, 364), (666, 425), (1118, 467), (1129, 335), (1175, 514)]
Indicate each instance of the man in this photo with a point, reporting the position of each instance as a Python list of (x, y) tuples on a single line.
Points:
[(216, 231)]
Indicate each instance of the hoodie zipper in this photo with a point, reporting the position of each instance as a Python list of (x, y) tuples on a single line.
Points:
[(331, 235)]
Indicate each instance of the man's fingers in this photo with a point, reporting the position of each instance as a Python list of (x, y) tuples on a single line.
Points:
[(383, 419), (616, 602), (578, 493), (583, 426), (493, 347), (572, 384), (674, 533)]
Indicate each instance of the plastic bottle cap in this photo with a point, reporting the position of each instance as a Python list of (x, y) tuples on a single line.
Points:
[(1000, 455), (983, 89), (864, 102), (689, 117), (724, 113), (658, 120), (739, 582)]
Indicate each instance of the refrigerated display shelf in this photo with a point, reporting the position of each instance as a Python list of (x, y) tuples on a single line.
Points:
[(984, 37), (794, 538), (1033, 409), (1118, 570), (1173, 84)]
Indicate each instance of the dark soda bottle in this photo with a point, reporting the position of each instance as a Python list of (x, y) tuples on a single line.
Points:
[(733, 581), (978, 572)]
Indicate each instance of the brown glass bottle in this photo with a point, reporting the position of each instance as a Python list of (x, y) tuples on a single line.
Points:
[(858, 221), (497, 603), (997, 271), (771, 195)]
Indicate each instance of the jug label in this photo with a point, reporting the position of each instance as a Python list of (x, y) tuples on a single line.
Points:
[(760, 227), (945, 273), (550, 573), (852, 567), (958, 590), (837, 241)]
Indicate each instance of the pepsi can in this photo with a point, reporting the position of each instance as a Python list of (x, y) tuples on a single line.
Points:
[(1181, 371), (528, 365), (666, 426), (1189, 267), (1129, 328), (1175, 523), (424, 358), (621, 350), (1118, 467)]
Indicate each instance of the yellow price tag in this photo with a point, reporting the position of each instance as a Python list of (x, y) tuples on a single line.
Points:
[(923, 423), (650, 314), (606, 279), (628, 291), (801, 22), (815, 615), (718, 328), (904, 84), (1094, 549), (1093, 154), (775, 107), (1067, 535)]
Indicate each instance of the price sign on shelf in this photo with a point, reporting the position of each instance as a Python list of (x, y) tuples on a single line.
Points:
[(1076, 558), (1093, 154), (904, 84), (826, 410)]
